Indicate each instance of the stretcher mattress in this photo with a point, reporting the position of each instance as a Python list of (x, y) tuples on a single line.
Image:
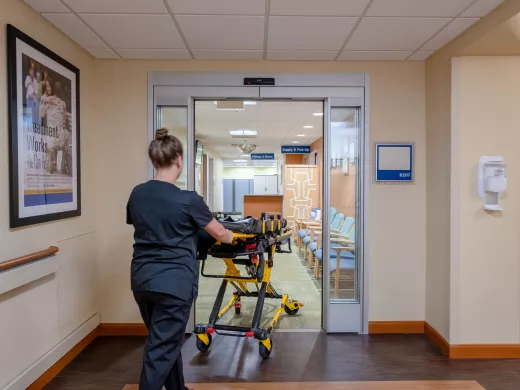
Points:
[(252, 225)]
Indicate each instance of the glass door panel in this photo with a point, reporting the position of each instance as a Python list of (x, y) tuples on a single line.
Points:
[(175, 119)]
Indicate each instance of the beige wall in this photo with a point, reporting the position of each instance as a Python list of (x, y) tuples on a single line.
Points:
[(442, 280), (36, 317), (397, 213), (486, 257), (248, 172)]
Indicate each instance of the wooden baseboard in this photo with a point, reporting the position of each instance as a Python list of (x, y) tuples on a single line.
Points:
[(113, 329), (396, 327), (57, 367), (485, 351), (437, 339)]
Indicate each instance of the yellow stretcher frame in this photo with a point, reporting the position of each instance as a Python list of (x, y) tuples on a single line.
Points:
[(259, 272)]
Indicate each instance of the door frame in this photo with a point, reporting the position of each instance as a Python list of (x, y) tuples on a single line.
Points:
[(190, 86)]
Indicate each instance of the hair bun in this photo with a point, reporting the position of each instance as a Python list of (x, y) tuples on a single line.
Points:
[(161, 134)]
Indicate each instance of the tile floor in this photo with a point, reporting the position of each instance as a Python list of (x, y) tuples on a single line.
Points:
[(289, 275)]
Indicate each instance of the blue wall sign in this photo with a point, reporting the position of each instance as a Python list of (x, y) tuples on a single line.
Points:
[(262, 156), (394, 162), (292, 149)]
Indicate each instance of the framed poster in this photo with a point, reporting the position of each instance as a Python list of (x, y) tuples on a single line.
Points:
[(44, 141)]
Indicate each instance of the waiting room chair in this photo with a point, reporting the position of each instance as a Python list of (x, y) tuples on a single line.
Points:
[(342, 260), (343, 232)]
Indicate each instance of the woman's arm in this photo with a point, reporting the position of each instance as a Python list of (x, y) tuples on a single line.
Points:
[(218, 232)]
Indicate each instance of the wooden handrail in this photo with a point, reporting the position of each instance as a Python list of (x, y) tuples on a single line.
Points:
[(8, 264)]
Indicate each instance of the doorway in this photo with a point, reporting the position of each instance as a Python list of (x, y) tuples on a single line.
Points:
[(339, 261)]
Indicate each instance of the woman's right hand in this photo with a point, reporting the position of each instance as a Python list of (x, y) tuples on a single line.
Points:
[(218, 232)]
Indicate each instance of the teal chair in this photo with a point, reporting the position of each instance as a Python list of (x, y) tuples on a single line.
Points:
[(343, 232), (342, 259), (311, 236), (303, 232)]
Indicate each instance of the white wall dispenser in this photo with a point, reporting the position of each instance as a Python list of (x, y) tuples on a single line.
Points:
[(492, 181)]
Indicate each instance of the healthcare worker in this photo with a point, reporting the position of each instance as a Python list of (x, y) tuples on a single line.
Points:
[(164, 270)]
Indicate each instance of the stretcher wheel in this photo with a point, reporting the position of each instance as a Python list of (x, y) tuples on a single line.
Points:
[(290, 311), (264, 352), (202, 346), (237, 311)]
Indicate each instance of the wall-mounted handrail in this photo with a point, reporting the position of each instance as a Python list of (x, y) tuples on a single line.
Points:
[(8, 264)]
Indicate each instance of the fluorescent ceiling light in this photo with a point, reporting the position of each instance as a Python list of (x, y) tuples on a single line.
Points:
[(296, 142), (245, 155), (308, 126), (239, 161), (300, 135), (238, 133), (318, 114), (249, 103)]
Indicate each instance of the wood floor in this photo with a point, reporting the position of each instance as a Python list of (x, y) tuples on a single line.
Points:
[(110, 363), (417, 385)]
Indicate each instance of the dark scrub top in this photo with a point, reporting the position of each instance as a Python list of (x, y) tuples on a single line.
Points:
[(166, 222)]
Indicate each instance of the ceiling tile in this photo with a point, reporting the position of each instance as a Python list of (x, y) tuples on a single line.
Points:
[(481, 8), (72, 26), (307, 33), (292, 55), (426, 8), (421, 55), (318, 8), (117, 6), (451, 31), (394, 33), (223, 32), (201, 54), (103, 53), (374, 55), (221, 7), (162, 54), (136, 31), (47, 5)]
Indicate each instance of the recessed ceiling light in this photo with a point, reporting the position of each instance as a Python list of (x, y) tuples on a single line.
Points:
[(308, 127), (236, 133), (318, 114), (296, 142), (239, 161), (245, 155), (300, 135), (249, 103)]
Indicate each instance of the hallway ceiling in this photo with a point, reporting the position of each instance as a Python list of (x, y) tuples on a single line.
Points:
[(277, 123), (263, 29)]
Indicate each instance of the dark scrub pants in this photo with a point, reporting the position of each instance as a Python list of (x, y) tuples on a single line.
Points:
[(165, 273), (165, 317)]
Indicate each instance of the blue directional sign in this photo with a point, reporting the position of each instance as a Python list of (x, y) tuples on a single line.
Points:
[(394, 163), (294, 149), (262, 156)]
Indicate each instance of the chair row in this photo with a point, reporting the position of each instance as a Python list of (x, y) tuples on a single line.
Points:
[(341, 243)]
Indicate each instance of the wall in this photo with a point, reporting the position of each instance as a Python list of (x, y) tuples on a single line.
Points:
[(397, 91), (486, 261), (443, 233), (291, 159), (438, 163), (38, 316), (247, 172), (317, 146)]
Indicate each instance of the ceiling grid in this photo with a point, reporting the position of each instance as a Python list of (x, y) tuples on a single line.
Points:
[(263, 29)]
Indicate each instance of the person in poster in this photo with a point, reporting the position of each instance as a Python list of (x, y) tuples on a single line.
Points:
[(47, 127)]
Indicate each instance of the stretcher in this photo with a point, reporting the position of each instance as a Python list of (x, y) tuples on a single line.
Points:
[(255, 243)]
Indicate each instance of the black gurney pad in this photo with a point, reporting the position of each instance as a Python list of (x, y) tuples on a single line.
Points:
[(252, 225)]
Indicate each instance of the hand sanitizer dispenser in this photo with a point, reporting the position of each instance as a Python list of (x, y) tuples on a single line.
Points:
[(492, 181)]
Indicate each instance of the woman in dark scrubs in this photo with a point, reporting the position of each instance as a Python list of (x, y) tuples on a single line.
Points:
[(164, 271)]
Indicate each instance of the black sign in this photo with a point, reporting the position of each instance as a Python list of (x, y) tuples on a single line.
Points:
[(258, 81)]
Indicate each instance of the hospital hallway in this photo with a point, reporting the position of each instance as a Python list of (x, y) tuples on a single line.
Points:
[(110, 363)]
